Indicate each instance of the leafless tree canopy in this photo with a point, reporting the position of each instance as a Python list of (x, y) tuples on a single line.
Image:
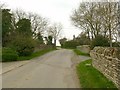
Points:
[(55, 31), (38, 23), (97, 18)]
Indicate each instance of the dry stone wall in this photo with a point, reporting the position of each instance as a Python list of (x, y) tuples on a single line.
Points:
[(84, 48), (107, 61), (42, 47)]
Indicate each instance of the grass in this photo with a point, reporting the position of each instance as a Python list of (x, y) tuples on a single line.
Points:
[(91, 78), (36, 54), (78, 52)]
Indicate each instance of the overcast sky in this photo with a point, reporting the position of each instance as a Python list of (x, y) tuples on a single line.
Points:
[(55, 10)]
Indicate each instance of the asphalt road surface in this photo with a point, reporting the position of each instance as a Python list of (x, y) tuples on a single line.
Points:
[(52, 70)]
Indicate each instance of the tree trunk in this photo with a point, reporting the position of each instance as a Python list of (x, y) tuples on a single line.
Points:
[(110, 38), (54, 41), (110, 32)]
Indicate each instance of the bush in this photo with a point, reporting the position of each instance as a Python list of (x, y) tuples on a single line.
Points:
[(83, 39), (9, 55), (116, 44), (70, 44), (23, 45), (100, 41)]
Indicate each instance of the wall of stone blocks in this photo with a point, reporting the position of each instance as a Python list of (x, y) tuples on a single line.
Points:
[(107, 61), (42, 47), (84, 48)]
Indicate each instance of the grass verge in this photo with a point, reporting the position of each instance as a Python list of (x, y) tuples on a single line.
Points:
[(78, 52), (91, 78), (36, 54)]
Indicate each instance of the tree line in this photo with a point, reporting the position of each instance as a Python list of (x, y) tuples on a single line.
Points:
[(23, 31), (98, 19)]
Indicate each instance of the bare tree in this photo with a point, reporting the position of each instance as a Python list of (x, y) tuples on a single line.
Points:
[(19, 14), (38, 23), (85, 17), (118, 24), (110, 11), (97, 18), (2, 5), (55, 31)]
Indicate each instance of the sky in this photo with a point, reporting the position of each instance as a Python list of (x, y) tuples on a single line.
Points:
[(55, 10)]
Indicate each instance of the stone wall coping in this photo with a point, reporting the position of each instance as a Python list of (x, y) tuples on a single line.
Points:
[(108, 51)]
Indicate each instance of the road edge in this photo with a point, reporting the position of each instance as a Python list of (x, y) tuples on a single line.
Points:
[(10, 68), (75, 62)]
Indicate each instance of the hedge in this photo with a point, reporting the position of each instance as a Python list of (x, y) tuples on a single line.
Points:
[(8, 55)]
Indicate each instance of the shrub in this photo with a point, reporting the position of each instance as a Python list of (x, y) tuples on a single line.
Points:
[(23, 45), (83, 39), (70, 44), (62, 41), (99, 41), (116, 44), (9, 55)]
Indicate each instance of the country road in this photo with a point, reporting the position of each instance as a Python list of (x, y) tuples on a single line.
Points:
[(52, 70)]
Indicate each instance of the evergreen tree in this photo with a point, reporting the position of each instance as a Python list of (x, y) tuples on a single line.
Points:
[(24, 27), (6, 26)]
